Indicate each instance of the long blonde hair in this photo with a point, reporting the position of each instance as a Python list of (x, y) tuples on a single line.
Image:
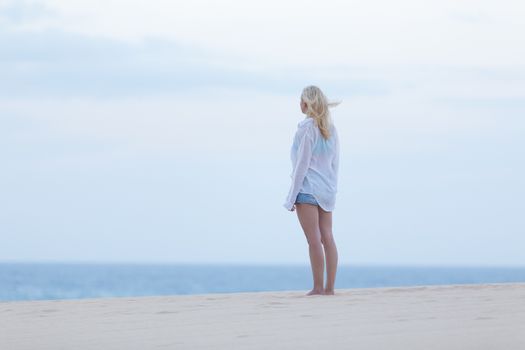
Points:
[(317, 107)]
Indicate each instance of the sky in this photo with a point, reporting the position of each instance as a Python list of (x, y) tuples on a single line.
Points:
[(160, 131)]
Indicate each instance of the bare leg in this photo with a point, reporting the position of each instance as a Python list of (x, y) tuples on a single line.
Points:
[(330, 249), (309, 219)]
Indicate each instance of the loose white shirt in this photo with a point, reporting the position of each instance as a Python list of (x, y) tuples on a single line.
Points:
[(315, 164)]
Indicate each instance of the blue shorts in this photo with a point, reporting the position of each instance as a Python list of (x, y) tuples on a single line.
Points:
[(306, 198)]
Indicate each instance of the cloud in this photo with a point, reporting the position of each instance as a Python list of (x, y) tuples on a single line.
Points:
[(55, 63), (17, 12), (83, 51), (472, 17), (297, 33)]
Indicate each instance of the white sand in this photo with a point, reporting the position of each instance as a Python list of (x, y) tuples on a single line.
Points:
[(435, 317)]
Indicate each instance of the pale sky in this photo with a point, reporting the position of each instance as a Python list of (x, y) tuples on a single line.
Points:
[(160, 131)]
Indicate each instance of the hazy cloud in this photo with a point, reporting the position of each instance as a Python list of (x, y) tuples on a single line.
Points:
[(53, 62), (19, 11)]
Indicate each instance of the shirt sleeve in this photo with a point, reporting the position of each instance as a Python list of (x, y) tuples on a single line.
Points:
[(304, 156)]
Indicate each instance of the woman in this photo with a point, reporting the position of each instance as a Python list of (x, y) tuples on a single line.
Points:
[(315, 162)]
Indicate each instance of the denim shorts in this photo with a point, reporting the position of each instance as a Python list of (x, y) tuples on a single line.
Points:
[(306, 198)]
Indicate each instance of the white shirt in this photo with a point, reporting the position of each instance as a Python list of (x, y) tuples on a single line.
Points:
[(315, 163)]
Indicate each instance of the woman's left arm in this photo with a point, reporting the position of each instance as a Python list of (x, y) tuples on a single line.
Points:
[(304, 156)]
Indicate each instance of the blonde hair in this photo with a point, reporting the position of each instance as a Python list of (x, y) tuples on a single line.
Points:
[(317, 107)]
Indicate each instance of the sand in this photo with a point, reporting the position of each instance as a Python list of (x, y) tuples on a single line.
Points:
[(490, 316)]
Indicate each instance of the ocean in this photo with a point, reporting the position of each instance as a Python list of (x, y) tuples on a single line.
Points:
[(52, 281)]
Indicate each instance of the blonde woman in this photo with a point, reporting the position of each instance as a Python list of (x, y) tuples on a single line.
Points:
[(315, 163)]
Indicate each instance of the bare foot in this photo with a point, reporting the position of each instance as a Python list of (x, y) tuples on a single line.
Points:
[(328, 292), (315, 292)]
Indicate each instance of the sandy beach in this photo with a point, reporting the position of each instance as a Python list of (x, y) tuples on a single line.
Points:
[(490, 316)]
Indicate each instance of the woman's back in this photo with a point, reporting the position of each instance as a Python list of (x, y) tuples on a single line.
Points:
[(319, 158)]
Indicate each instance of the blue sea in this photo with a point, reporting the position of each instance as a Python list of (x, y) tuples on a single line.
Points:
[(48, 281)]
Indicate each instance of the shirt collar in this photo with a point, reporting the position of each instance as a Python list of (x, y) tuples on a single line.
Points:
[(304, 121)]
